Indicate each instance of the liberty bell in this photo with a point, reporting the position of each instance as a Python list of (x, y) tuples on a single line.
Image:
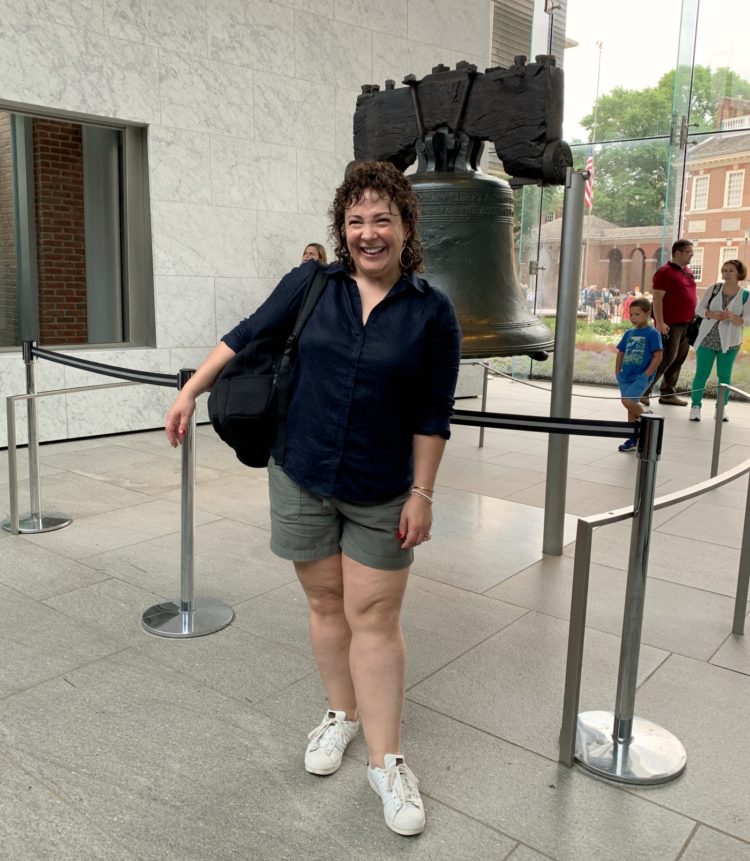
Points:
[(466, 221)]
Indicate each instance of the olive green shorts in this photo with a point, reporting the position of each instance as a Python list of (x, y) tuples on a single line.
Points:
[(305, 527)]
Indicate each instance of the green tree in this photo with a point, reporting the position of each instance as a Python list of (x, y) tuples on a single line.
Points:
[(631, 176)]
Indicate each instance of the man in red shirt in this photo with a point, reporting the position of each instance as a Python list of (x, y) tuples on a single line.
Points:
[(674, 308)]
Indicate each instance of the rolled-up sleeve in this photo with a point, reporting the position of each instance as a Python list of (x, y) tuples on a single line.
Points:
[(442, 357)]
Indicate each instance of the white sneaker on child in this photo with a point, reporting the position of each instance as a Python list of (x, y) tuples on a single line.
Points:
[(695, 414), (397, 787), (328, 742)]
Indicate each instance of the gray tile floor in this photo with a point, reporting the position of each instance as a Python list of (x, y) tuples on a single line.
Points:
[(115, 744)]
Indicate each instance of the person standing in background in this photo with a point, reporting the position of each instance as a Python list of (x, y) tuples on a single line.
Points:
[(673, 308)]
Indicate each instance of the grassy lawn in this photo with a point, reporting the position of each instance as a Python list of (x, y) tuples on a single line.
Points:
[(596, 347)]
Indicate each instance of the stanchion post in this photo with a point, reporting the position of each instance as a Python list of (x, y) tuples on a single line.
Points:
[(743, 575), (623, 747), (191, 617), (187, 509), (576, 637), (35, 520), (718, 424), (564, 356), (484, 402), (12, 524)]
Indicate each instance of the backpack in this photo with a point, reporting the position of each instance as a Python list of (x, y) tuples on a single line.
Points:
[(250, 398)]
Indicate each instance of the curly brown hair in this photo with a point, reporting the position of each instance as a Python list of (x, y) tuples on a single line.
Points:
[(387, 181)]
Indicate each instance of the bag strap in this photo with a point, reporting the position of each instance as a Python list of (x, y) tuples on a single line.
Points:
[(284, 371)]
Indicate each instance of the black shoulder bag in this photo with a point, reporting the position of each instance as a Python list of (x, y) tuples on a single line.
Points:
[(691, 333), (249, 400)]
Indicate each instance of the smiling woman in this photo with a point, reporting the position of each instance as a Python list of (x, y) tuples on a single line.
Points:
[(352, 492)]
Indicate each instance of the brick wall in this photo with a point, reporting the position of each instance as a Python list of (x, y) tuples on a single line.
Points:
[(8, 294), (61, 257)]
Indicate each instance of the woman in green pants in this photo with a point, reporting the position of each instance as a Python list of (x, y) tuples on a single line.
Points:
[(725, 310)]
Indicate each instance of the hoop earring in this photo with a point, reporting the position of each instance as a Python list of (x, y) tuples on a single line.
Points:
[(404, 264)]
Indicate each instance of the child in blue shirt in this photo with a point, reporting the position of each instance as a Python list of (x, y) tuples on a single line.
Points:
[(638, 356)]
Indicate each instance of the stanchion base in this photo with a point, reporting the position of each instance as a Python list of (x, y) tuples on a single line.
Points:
[(653, 754), (32, 523), (167, 620)]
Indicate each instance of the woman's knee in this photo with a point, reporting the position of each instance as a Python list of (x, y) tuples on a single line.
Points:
[(378, 614)]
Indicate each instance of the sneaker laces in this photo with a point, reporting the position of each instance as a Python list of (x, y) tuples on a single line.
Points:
[(328, 735), (403, 783)]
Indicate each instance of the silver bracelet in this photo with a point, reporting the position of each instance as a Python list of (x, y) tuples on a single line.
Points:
[(423, 495)]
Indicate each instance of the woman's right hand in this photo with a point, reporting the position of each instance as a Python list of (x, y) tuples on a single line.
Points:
[(178, 417)]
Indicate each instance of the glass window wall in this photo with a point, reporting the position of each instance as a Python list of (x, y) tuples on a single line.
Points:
[(657, 97)]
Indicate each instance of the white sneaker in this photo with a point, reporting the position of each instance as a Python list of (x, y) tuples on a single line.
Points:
[(725, 416), (695, 414), (397, 787), (328, 742)]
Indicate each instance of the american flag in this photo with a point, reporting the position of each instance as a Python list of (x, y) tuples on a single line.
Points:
[(588, 194)]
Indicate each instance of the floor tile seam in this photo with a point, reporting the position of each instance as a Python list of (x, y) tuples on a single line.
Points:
[(68, 803), (231, 520), (109, 578), (101, 479), (743, 674), (470, 649), (485, 732), (177, 531), (209, 686), (523, 845), (649, 577), (633, 791), (43, 601), (592, 627), (72, 669), (687, 842)]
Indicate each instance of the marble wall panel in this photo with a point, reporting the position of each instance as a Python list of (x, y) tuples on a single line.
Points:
[(255, 175), (461, 26), (481, 59), (180, 165), (386, 16), (117, 410), (293, 112), (190, 239), (332, 52), (178, 25), (51, 417), (253, 33), (282, 238), (86, 14), (396, 57), (206, 95), (318, 176), (77, 70), (346, 103), (324, 8), (237, 298), (185, 311)]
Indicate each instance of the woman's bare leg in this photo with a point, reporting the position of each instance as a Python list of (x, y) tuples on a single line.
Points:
[(330, 634), (372, 604)]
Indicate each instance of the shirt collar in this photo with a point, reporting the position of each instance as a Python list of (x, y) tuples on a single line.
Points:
[(407, 279)]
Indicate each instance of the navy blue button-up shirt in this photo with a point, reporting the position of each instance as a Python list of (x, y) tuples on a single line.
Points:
[(360, 392)]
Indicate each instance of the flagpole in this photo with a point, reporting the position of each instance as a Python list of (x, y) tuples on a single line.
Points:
[(584, 270)]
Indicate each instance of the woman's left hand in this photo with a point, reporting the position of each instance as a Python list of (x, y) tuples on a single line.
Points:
[(415, 523)]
